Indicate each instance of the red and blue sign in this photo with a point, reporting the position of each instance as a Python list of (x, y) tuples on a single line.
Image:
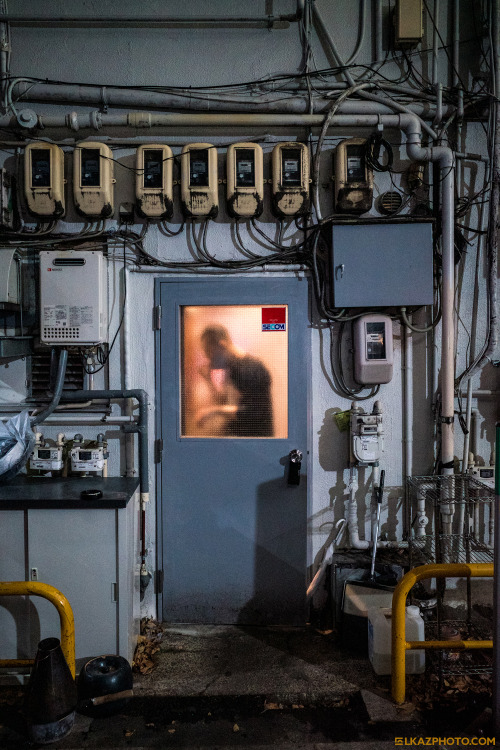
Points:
[(274, 318)]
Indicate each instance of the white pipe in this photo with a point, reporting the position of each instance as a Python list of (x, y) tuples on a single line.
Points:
[(468, 413), (352, 512), (378, 31), (435, 44), (407, 410), (82, 419), (129, 438)]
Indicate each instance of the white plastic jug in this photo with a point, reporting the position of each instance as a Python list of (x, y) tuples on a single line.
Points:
[(379, 639)]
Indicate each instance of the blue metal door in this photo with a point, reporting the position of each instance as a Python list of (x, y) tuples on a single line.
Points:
[(232, 378)]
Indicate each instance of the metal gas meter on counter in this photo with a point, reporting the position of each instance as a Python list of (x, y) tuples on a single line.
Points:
[(367, 435), (88, 455)]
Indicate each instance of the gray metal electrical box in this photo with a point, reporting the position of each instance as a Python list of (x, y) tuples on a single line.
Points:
[(382, 264)]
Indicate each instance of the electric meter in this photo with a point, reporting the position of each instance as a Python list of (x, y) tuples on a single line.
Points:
[(93, 179), (373, 350), (153, 182), (73, 297), (199, 183), (245, 180), (44, 179), (353, 178), (290, 179)]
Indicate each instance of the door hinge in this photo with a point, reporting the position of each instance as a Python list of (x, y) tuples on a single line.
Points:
[(158, 450), (158, 581), (157, 317)]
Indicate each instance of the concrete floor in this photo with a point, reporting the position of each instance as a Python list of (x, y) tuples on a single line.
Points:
[(252, 688)]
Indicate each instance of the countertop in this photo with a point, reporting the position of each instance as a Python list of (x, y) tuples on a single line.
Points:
[(25, 492)]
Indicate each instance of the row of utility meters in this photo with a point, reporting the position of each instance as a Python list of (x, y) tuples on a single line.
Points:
[(93, 180)]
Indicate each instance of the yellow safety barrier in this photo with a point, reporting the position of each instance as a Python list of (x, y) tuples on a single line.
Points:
[(34, 588), (399, 643)]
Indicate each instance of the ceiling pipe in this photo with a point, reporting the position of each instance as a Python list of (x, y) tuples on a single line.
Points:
[(101, 22), (104, 97)]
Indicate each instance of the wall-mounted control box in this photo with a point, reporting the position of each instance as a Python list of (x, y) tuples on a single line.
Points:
[(408, 26), (93, 182), (199, 180), (153, 183), (353, 178), (245, 180), (382, 264), (373, 349), (44, 179), (73, 297), (291, 179)]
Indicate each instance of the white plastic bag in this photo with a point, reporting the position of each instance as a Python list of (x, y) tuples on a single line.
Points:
[(16, 443)]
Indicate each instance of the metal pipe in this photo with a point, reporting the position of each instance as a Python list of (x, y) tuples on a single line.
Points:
[(378, 30), (407, 371), (85, 95), (58, 389), (75, 419), (352, 513), (217, 271), (141, 427), (456, 44), (435, 44), (399, 643), (361, 33)]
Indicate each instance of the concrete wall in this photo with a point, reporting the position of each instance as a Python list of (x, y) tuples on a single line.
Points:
[(183, 57)]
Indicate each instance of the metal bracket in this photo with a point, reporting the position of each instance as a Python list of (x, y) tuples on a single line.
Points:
[(447, 420)]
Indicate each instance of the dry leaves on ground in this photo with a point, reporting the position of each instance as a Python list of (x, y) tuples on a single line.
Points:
[(148, 644)]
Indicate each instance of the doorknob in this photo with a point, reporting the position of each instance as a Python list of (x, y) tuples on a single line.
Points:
[(295, 457)]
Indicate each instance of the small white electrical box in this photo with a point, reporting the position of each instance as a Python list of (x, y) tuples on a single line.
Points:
[(73, 297), (245, 180), (199, 180), (353, 178), (153, 182), (87, 458), (47, 458), (290, 179), (409, 30), (93, 182), (373, 349), (44, 179)]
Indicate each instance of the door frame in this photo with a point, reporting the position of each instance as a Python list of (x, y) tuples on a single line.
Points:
[(307, 459)]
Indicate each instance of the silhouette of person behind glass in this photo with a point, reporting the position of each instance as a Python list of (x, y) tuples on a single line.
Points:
[(241, 388)]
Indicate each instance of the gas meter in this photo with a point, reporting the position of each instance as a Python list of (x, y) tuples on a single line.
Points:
[(373, 349), (153, 182), (93, 179), (290, 179), (353, 178), (44, 179), (367, 435), (47, 457), (199, 183), (245, 180), (88, 455), (73, 297)]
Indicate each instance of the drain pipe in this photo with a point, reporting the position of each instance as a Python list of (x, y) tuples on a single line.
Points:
[(352, 512), (141, 427)]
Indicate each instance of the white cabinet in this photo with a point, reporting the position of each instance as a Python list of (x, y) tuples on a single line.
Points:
[(92, 556)]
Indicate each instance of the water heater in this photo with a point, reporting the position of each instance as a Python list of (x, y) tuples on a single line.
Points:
[(73, 297)]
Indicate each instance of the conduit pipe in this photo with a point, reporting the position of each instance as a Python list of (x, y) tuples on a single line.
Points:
[(58, 389), (279, 22), (81, 95), (408, 413)]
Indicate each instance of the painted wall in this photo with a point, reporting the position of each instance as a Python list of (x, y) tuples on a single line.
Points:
[(184, 57)]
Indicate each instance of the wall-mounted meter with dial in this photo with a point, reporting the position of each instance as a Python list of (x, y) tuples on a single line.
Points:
[(44, 179), (353, 178), (373, 349), (153, 182), (93, 183), (199, 182), (290, 179), (245, 180)]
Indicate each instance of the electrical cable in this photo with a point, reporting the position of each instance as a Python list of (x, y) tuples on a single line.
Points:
[(373, 144)]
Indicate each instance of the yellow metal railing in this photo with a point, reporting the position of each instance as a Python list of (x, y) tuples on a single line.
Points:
[(399, 643), (34, 588)]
